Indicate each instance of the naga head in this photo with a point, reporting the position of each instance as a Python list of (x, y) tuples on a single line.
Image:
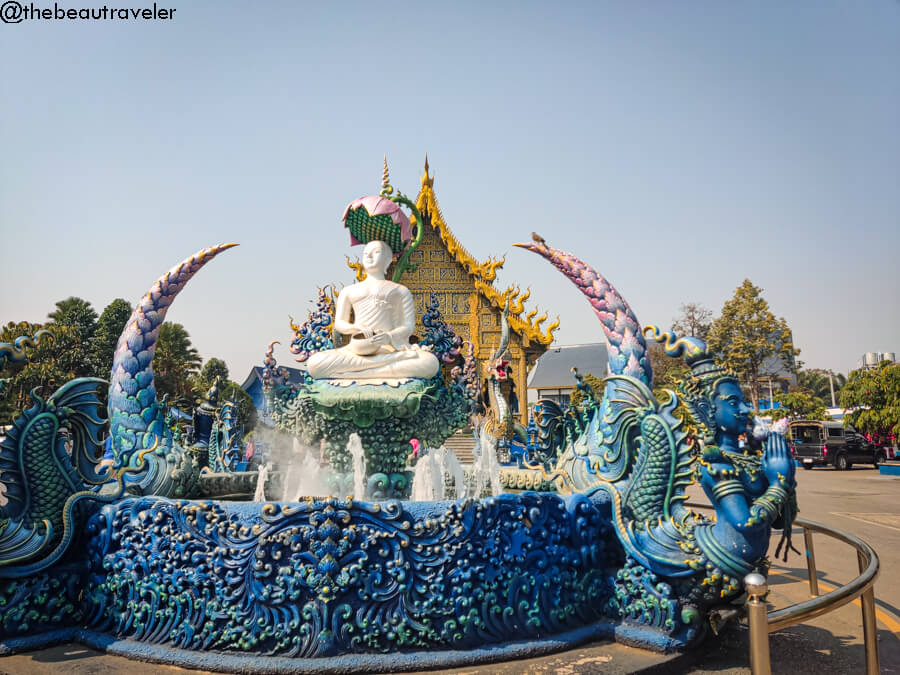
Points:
[(711, 393), (498, 369)]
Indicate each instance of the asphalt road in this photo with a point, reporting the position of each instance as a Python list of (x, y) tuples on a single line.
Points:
[(858, 501)]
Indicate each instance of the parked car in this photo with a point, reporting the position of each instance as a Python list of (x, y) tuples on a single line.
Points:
[(819, 443)]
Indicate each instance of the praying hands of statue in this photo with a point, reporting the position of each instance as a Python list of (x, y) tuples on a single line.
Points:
[(777, 461)]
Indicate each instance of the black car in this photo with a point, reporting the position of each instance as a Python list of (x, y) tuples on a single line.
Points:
[(819, 443)]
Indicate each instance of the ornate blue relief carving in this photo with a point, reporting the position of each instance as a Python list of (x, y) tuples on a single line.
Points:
[(323, 577)]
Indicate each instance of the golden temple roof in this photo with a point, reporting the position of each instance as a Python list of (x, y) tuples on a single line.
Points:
[(484, 273)]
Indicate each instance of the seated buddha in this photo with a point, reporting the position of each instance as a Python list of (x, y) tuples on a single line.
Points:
[(383, 319)]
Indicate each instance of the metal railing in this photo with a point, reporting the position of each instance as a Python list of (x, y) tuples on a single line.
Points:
[(763, 622)]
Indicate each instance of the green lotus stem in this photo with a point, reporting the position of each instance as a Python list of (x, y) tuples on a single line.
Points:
[(403, 263)]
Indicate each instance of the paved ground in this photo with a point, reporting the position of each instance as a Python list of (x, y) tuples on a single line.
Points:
[(857, 501)]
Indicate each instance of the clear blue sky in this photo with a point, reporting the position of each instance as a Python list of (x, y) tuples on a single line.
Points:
[(676, 147)]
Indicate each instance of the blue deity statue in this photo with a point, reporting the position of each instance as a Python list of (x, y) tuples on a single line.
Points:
[(750, 489)]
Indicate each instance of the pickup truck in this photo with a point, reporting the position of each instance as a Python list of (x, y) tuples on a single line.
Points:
[(819, 443)]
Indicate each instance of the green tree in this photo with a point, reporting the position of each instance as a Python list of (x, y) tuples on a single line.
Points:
[(109, 327), (816, 381), (211, 370), (693, 319), (747, 335), (74, 323), (798, 405), (177, 362), (874, 398)]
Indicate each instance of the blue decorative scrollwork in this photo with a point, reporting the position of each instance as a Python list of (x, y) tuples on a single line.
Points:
[(322, 577), (314, 334), (444, 343)]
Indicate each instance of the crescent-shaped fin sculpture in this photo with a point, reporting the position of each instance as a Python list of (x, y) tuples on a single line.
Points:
[(137, 418)]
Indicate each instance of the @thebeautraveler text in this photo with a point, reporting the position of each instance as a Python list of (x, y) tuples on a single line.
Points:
[(13, 11)]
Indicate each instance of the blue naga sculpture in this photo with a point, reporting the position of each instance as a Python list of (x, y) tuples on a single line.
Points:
[(642, 455), (49, 466), (44, 479), (500, 422)]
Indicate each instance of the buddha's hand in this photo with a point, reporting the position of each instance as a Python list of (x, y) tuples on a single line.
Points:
[(371, 334), (777, 462)]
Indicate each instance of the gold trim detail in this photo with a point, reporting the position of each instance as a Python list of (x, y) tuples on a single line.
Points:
[(484, 273), (356, 267)]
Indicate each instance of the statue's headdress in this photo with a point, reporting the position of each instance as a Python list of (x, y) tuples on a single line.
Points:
[(698, 389), (378, 218)]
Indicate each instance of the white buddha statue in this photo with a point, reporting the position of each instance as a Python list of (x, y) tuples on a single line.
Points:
[(383, 319)]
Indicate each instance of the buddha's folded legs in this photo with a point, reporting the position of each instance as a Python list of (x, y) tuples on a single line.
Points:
[(344, 363)]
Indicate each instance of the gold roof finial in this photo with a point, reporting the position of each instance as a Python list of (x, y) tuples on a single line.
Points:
[(386, 188), (426, 179)]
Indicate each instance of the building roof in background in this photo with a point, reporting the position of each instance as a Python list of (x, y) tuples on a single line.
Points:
[(554, 369), (256, 375)]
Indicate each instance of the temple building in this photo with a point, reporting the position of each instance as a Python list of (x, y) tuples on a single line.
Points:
[(468, 300)]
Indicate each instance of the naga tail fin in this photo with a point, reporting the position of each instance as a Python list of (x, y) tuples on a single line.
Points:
[(41, 475), (137, 420), (627, 349), (645, 468)]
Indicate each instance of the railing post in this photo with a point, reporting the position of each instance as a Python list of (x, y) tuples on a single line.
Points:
[(811, 563), (870, 630), (758, 621)]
